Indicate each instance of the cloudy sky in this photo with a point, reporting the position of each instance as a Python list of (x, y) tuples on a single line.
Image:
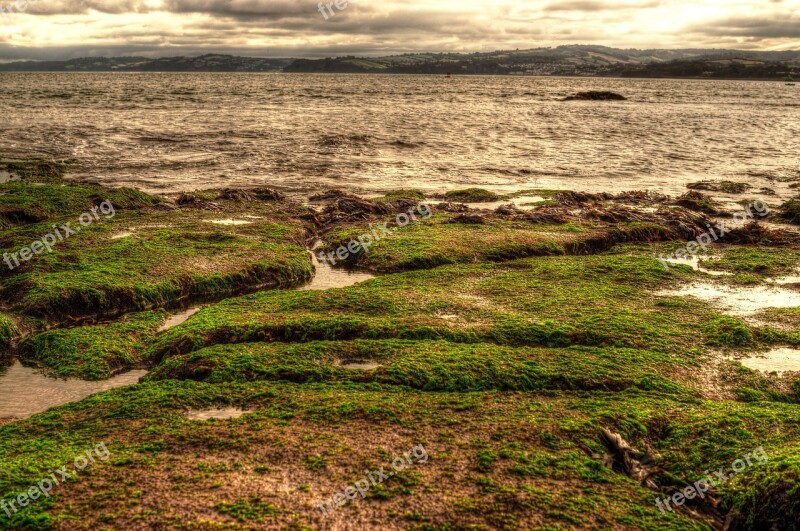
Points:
[(60, 29)]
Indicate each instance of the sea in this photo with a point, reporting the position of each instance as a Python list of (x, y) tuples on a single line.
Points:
[(175, 132)]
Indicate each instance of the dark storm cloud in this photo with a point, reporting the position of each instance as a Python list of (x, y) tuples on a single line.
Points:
[(269, 9), (590, 6), (280, 28), (753, 28)]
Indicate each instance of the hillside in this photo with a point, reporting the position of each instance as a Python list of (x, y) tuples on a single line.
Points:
[(575, 60)]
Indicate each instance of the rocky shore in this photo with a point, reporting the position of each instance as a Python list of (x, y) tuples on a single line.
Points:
[(534, 343)]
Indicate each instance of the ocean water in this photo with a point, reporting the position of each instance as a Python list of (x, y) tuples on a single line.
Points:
[(369, 133)]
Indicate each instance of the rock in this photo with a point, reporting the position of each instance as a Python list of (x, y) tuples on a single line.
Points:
[(549, 215), (790, 211), (699, 203), (595, 95), (469, 219), (507, 210), (727, 187), (453, 208), (192, 201), (253, 194)]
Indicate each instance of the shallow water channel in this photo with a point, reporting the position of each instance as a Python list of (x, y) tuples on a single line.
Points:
[(780, 360), (25, 391)]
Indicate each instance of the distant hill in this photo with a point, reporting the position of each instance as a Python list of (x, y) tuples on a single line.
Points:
[(576, 60), (203, 63)]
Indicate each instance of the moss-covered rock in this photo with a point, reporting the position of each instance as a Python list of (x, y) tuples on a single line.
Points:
[(790, 211), (148, 258), (93, 352), (504, 349), (727, 187), (512, 458), (548, 301), (429, 365), (8, 332), (472, 195)]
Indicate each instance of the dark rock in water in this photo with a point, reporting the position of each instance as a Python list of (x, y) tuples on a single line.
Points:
[(576, 198), (253, 194), (699, 203), (727, 187), (790, 211), (596, 95)]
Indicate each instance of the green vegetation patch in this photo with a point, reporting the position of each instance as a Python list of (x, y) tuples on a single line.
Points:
[(472, 195), (601, 301), (36, 171), (21, 202), (525, 458), (425, 244), (93, 352), (136, 261), (429, 366), (762, 261), (8, 331)]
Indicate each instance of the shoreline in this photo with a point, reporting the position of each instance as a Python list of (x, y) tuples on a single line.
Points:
[(521, 338)]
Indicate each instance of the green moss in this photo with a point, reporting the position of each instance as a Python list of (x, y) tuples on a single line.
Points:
[(728, 332), (472, 195), (93, 352), (8, 332), (37, 171), (395, 195), (763, 261), (548, 301), (134, 262), (24, 202), (506, 368), (249, 510), (534, 453), (436, 242), (428, 365)]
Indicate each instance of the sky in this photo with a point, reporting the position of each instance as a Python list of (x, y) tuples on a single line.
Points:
[(64, 29)]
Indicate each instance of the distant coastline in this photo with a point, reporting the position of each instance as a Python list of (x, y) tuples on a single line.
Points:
[(564, 61)]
